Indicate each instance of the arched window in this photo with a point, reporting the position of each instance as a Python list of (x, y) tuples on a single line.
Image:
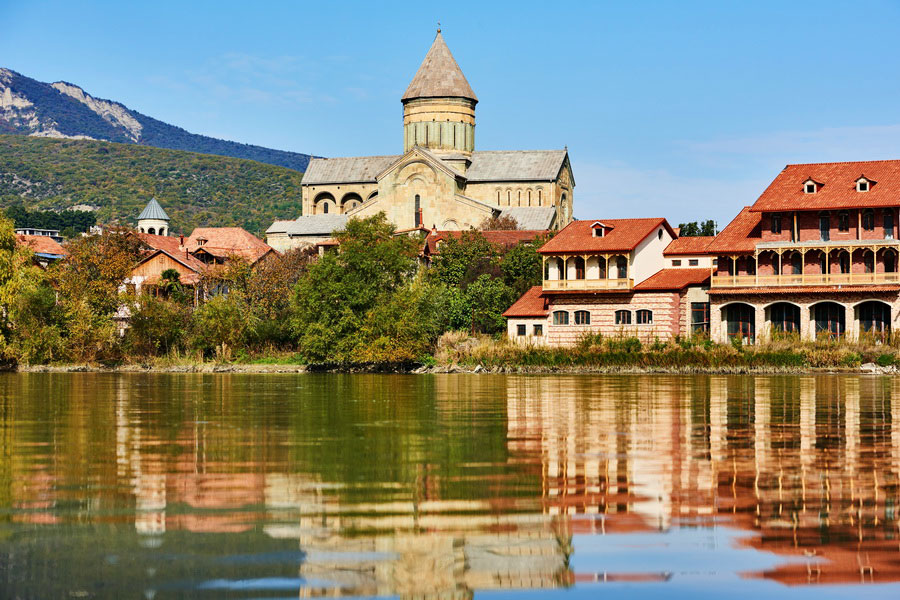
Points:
[(844, 259), (519, 199), (529, 197), (546, 270), (644, 317), (151, 231), (418, 214), (622, 267), (142, 230), (508, 198), (741, 319), (539, 198), (796, 264), (869, 261), (868, 219), (890, 261), (560, 317), (784, 317), (829, 318), (875, 318), (561, 268), (823, 263), (776, 264), (324, 208), (582, 317), (623, 317), (601, 266), (579, 267)]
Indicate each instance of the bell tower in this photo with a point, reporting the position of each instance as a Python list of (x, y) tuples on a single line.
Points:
[(439, 106)]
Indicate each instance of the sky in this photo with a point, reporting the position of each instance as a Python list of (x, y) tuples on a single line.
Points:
[(685, 110)]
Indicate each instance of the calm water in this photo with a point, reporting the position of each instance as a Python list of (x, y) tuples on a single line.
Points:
[(448, 486)]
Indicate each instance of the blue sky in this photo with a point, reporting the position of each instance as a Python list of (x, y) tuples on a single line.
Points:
[(681, 109)]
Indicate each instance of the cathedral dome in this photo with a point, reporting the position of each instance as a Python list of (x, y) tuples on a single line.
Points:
[(439, 76)]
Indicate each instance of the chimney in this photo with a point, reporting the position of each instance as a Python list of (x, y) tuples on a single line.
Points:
[(181, 242), (434, 228)]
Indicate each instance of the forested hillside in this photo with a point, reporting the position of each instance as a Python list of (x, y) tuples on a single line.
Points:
[(119, 179)]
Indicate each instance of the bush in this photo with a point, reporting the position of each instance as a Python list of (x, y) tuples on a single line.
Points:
[(885, 360)]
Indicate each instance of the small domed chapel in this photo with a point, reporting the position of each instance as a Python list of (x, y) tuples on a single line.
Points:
[(440, 181)]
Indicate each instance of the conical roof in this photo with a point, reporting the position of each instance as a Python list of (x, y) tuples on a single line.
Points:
[(439, 76), (153, 211)]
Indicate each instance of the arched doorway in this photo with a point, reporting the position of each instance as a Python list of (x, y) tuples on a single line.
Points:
[(830, 319), (874, 318), (740, 321), (784, 318)]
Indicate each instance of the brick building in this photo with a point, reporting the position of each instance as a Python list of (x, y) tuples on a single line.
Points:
[(610, 277), (816, 255)]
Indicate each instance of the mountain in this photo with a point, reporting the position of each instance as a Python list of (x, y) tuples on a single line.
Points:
[(64, 110), (116, 180)]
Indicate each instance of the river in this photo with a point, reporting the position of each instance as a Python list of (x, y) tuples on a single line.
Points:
[(448, 486)]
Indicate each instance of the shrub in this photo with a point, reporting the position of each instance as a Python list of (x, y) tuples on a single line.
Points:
[(885, 360)]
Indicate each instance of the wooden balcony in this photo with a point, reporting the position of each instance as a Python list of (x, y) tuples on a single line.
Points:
[(587, 285), (745, 281)]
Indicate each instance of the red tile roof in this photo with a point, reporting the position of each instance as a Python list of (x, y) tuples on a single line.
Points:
[(688, 245), (225, 242), (838, 186), (625, 235), (674, 279), (531, 304), (807, 289), (505, 238), (41, 244), (171, 246), (740, 236)]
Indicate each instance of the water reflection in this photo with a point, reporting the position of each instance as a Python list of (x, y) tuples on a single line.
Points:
[(249, 486)]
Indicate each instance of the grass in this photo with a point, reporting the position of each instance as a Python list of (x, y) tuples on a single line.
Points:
[(685, 355)]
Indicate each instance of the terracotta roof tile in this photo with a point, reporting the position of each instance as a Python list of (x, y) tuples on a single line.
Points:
[(504, 238), (674, 279), (225, 242), (624, 236), (740, 236), (838, 189), (807, 289), (688, 245), (531, 304), (41, 244)]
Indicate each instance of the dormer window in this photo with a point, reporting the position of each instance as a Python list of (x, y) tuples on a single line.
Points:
[(598, 229), (863, 185), (810, 187), (201, 241)]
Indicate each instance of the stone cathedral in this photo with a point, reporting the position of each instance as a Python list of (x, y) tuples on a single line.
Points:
[(440, 181)]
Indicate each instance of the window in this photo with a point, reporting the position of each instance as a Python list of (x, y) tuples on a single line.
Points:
[(845, 262), (809, 187), (582, 317), (644, 317), (560, 317), (829, 318), (676, 263), (693, 262), (869, 261), (824, 226), (741, 319), (784, 317), (862, 185), (546, 270), (890, 261), (868, 219), (843, 221), (875, 318), (699, 317), (888, 224), (796, 264), (622, 267), (579, 267), (776, 223), (324, 208), (623, 317), (538, 330), (418, 215), (520, 330), (823, 263), (659, 234)]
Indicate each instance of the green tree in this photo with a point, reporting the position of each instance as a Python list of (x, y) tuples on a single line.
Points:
[(521, 267), (694, 229), (331, 303), (157, 326)]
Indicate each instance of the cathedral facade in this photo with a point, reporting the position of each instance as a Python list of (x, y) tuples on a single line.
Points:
[(440, 181)]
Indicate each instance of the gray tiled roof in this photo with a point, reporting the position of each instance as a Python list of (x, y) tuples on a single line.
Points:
[(153, 211), (492, 165), (349, 169), (515, 165), (317, 224), (280, 227), (439, 76), (531, 217)]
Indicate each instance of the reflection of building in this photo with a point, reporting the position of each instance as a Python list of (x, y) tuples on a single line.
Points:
[(809, 465)]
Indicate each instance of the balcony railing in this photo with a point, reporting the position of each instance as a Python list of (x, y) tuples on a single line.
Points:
[(742, 281), (587, 284)]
